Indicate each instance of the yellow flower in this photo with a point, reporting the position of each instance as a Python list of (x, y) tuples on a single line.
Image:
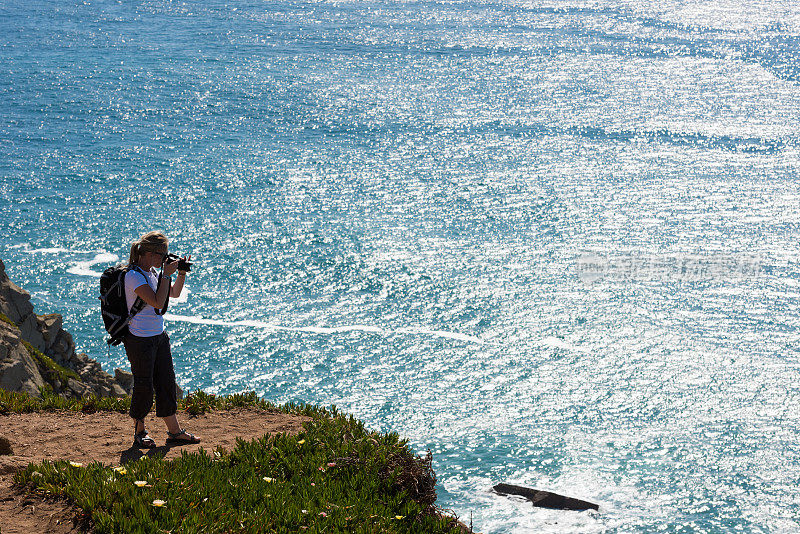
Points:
[(140, 483), (301, 442), (76, 464), (159, 502), (268, 479), (399, 517), (121, 470)]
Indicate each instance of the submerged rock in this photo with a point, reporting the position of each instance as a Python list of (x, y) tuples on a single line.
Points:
[(545, 499)]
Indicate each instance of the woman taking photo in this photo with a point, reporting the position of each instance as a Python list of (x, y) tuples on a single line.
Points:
[(147, 344)]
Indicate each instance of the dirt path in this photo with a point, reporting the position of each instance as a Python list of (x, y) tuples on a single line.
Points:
[(106, 438)]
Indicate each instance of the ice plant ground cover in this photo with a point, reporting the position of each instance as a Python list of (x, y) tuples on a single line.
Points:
[(334, 475)]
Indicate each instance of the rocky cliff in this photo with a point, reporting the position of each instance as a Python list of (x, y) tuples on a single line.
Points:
[(36, 352)]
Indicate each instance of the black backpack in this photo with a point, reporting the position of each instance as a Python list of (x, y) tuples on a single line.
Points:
[(113, 305)]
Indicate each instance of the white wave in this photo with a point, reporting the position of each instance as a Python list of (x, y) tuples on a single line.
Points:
[(201, 320), (49, 250), (440, 333), (183, 298), (336, 329), (321, 329), (83, 268), (54, 250)]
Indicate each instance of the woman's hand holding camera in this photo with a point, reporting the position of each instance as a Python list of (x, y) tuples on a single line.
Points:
[(173, 263), (170, 266), (186, 260)]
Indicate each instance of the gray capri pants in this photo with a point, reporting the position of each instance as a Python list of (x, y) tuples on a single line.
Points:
[(153, 372)]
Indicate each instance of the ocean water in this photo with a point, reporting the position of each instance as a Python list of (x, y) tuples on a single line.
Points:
[(553, 242)]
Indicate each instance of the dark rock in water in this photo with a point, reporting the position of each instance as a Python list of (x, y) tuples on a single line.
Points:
[(545, 499)]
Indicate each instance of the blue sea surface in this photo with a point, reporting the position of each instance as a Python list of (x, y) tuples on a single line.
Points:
[(553, 242)]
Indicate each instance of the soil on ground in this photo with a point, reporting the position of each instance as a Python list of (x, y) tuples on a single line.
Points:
[(107, 438)]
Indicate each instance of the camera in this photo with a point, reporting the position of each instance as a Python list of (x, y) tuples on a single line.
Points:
[(183, 265)]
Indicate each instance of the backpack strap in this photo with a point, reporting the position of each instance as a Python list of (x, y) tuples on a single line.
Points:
[(138, 304), (163, 310)]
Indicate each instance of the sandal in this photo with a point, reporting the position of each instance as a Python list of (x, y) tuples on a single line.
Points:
[(142, 439), (175, 439)]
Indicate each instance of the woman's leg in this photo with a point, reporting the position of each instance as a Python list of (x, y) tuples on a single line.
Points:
[(142, 355), (164, 380), (173, 426)]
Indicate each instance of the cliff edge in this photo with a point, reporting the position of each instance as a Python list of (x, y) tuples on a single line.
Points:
[(36, 352)]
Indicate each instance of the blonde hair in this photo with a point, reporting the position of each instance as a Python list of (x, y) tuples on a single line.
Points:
[(149, 242)]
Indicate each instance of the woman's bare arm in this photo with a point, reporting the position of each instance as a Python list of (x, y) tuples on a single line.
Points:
[(156, 300), (177, 287), (175, 292)]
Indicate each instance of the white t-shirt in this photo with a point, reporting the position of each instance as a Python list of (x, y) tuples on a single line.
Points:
[(146, 323)]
